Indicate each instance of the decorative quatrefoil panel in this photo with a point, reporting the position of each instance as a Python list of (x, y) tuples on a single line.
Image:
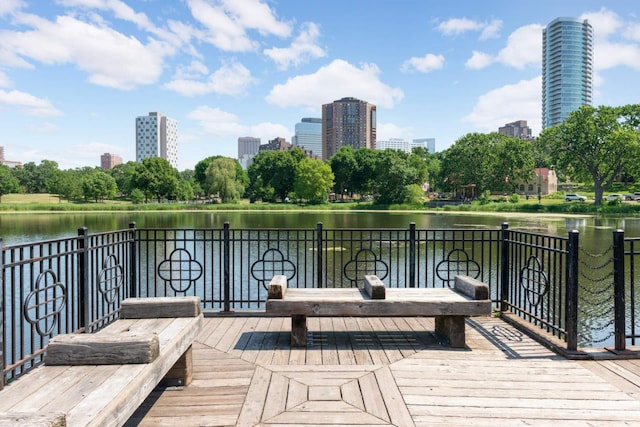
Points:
[(534, 281), (457, 262), (110, 279), (180, 270), (271, 264), (44, 303), (365, 262)]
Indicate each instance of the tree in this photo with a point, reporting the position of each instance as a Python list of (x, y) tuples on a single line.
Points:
[(596, 144), (487, 161), (363, 180), (398, 173), (273, 173), (8, 182), (67, 185), (124, 175), (343, 165), (221, 179), (157, 178), (99, 185), (314, 180)]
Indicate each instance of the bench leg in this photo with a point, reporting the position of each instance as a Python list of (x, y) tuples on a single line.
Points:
[(298, 330), (181, 372), (452, 328)]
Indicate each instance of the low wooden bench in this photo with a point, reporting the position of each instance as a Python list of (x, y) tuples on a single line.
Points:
[(101, 379), (449, 306)]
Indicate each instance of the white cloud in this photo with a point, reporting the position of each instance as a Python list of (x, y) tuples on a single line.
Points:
[(303, 48), (524, 47), (10, 6), (604, 23), (520, 101), (45, 128), (232, 79), (5, 81), (337, 80), (610, 55), (110, 58), (479, 60), (633, 32), (256, 14), (423, 64), (457, 26), (28, 103), (214, 121), (491, 30), (226, 22), (386, 131)]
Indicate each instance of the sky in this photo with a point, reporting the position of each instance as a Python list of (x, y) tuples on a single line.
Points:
[(74, 74)]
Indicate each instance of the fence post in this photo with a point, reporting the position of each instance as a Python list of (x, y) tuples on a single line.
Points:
[(319, 255), (619, 303), (226, 267), (2, 308), (504, 267), (412, 255), (571, 300), (83, 279), (133, 261)]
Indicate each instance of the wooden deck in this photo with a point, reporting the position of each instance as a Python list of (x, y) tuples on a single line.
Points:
[(389, 371)]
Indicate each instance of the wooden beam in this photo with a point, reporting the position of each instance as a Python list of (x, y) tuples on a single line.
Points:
[(102, 349)]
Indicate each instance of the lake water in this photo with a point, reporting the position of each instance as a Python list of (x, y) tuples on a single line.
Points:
[(28, 227)]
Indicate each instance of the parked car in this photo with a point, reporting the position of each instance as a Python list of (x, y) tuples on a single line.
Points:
[(572, 197), (634, 196), (612, 197)]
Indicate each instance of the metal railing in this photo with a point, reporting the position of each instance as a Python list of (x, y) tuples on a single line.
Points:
[(77, 284)]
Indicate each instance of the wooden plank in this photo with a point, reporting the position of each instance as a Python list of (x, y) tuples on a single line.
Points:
[(103, 349), (374, 287), (473, 288), (277, 287), (32, 420), (394, 402), (251, 413), (155, 307)]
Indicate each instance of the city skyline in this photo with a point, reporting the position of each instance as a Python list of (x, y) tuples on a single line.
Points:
[(74, 73)]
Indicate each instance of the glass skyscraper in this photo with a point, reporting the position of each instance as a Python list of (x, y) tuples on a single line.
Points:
[(567, 68)]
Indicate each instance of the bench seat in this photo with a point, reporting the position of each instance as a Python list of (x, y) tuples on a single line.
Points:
[(102, 394), (469, 297)]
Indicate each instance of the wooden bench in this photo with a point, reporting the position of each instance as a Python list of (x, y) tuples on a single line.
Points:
[(101, 379), (469, 297)]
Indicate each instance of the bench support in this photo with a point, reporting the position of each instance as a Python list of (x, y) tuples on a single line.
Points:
[(451, 328), (182, 371), (298, 330)]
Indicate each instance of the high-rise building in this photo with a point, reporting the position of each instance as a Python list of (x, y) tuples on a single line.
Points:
[(567, 68), (276, 144), (308, 136), (394, 144), (517, 129), (348, 121), (248, 147), (108, 161), (428, 143), (157, 136)]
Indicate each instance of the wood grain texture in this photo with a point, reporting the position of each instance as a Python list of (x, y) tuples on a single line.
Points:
[(160, 307), (103, 349)]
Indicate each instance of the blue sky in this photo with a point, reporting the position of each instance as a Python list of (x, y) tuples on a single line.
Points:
[(74, 74)]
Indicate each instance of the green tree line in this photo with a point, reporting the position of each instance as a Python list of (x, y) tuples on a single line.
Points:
[(597, 146)]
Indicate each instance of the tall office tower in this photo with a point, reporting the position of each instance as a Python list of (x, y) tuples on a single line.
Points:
[(157, 136), (567, 68), (308, 136), (517, 129), (108, 161), (248, 147), (348, 121), (428, 143)]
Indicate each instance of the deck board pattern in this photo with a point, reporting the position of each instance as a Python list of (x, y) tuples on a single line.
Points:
[(389, 372)]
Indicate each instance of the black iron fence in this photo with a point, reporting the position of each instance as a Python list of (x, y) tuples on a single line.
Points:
[(77, 284)]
